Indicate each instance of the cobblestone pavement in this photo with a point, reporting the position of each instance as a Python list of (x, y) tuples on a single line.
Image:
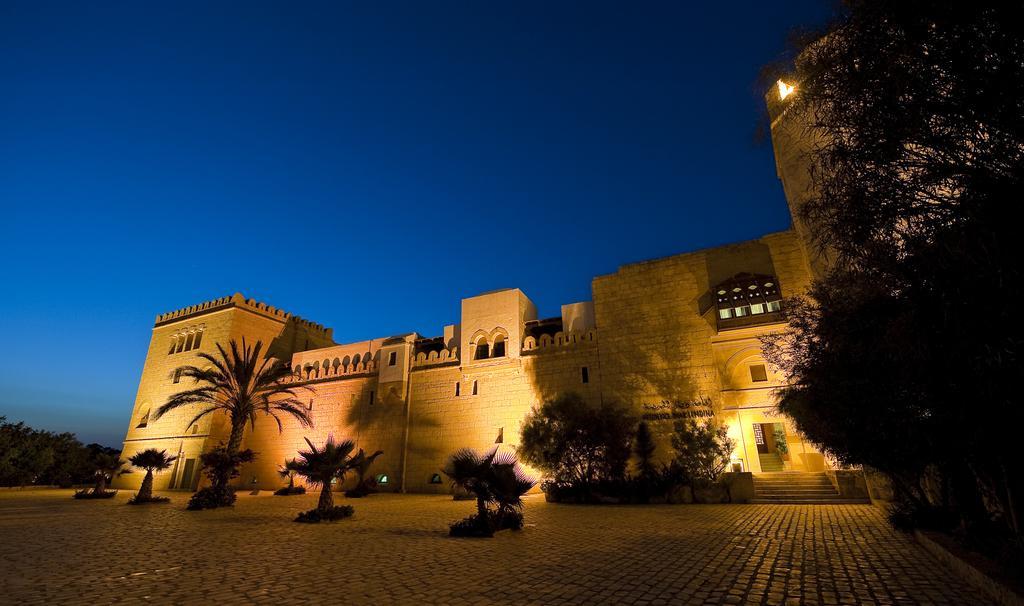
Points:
[(396, 550)]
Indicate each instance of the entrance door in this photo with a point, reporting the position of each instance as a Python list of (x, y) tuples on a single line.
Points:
[(188, 473), (772, 446)]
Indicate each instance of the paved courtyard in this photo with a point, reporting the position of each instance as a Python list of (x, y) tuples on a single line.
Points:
[(396, 550)]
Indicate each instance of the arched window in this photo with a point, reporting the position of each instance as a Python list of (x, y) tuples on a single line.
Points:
[(482, 350), (498, 351), (174, 344), (199, 339), (188, 341)]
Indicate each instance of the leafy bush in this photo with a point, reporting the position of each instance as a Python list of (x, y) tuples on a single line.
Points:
[(702, 450), (137, 501), (493, 522), (336, 512), (576, 443), (89, 493), (290, 490), (219, 466), (212, 497), (474, 526)]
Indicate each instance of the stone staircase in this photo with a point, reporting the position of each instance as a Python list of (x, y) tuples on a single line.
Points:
[(797, 487), (771, 461)]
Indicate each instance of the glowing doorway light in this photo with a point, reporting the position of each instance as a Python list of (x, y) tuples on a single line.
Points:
[(785, 90)]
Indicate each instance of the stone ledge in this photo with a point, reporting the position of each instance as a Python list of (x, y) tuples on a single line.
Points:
[(970, 574)]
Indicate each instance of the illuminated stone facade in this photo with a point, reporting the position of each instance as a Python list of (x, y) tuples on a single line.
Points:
[(672, 338)]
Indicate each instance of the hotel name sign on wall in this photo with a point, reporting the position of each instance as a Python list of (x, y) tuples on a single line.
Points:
[(678, 409)]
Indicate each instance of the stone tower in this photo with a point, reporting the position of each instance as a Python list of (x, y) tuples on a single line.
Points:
[(793, 139), (178, 337)]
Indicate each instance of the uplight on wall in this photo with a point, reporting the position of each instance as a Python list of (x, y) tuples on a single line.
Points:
[(785, 90)]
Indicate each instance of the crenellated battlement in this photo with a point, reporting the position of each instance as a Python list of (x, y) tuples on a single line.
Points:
[(239, 300), (548, 342), (448, 355)]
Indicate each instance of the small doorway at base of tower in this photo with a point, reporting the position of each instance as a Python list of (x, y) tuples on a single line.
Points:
[(189, 476), (772, 446)]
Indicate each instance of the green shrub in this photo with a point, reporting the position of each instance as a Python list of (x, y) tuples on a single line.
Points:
[(290, 490), (212, 497), (90, 493), (337, 512), (576, 443), (135, 500)]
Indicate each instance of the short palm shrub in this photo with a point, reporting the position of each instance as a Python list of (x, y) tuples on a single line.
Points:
[(287, 471), (361, 465), (220, 466), (496, 482), (108, 467), (151, 460), (322, 466)]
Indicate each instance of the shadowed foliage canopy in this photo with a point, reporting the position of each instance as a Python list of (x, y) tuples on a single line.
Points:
[(906, 356), (241, 384), (575, 443)]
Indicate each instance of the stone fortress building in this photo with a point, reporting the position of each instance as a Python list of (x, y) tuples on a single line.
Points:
[(672, 338)]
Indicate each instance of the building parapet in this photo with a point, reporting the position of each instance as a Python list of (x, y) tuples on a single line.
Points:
[(238, 300), (313, 373), (559, 340), (447, 355)]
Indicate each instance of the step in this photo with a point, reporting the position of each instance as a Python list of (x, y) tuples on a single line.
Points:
[(834, 501)]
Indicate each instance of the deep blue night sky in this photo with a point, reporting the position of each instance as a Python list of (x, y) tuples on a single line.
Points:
[(363, 167)]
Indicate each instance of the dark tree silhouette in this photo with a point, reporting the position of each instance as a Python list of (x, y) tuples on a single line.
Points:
[(151, 460), (905, 357), (322, 466)]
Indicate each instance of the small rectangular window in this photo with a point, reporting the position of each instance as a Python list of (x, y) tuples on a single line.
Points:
[(371, 397), (586, 375), (456, 388), (758, 373), (392, 358), (177, 375), (475, 388)]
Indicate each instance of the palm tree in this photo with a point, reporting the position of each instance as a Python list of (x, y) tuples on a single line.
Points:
[(469, 470), (242, 385), (287, 471), (108, 467), (151, 460), (361, 464), (321, 466), (508, 484)]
